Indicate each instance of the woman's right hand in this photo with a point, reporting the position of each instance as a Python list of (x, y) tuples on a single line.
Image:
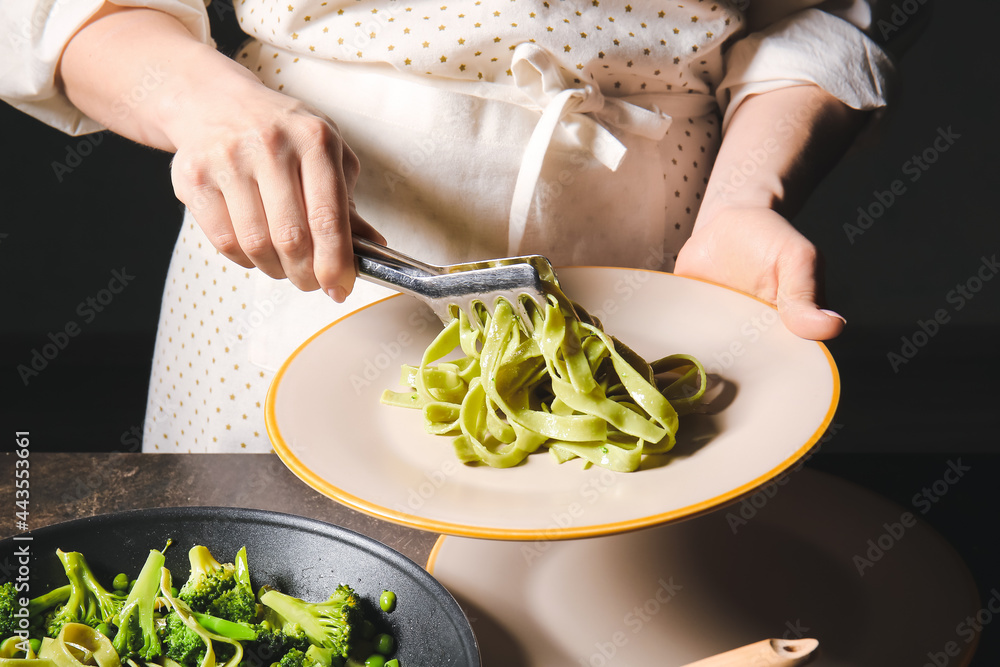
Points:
[(270, 182), (267, 178)]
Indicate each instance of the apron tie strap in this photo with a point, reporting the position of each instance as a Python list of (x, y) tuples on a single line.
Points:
[(584, 112)]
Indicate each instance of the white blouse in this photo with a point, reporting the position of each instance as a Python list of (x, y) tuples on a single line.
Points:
[(623, 47)]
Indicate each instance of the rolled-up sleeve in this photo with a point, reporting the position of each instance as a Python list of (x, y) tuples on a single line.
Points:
[(808, 47), (35, 34)]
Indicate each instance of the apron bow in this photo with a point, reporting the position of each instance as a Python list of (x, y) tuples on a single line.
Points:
[(583, 111)]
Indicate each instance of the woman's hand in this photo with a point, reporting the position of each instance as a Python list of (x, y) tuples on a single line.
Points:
[(756, 250), (741, 237), (268, 178)]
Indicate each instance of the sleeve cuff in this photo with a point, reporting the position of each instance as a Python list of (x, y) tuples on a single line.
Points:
[(35, 44), (809, 47)]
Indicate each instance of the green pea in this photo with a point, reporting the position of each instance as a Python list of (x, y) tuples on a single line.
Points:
[(385, 644), (387, 601), (173, 591), (131, 585), (367, 629), (392, 663), (375, 660), (104, 629), (35, 644), (121, 582)]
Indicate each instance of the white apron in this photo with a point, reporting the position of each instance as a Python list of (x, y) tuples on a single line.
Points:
[(451, 171)]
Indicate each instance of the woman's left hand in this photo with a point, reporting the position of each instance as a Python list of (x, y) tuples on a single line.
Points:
[(756, 250)]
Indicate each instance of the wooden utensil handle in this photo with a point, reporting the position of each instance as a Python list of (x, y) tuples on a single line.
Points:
[(766, 653)]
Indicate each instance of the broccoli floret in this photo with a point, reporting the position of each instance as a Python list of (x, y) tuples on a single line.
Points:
[(8, 607), (314, 656), (272, 644), (323, 657), (220, 589), (187, 647), (208, 579), (88, 603), (239, 603), (330, 624), (136, 631), (263, 645), (180, 642), (294, 658)]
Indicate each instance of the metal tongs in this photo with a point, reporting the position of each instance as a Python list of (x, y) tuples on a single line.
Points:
[(465, 287)]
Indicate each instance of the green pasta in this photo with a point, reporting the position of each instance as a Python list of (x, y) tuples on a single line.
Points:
[(568, 387)]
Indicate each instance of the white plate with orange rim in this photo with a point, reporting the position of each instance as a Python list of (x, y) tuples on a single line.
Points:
[(815, 557), (777, 397)]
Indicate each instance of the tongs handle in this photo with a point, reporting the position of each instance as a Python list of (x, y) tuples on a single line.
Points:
[(394, 269), (391, 268), (374, 260)]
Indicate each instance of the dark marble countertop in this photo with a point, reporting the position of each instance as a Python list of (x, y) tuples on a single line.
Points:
[(67, 486)]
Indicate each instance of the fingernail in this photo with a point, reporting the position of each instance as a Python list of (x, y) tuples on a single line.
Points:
[(834, 314), (338, 294)]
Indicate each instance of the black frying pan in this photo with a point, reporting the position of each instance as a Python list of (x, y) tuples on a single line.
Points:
[(301, 557)]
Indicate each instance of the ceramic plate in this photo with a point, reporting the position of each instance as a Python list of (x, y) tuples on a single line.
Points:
[(775, 397), (299, 556), (813, 557)]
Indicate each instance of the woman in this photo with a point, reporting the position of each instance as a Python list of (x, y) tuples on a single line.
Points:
[(676, 137)]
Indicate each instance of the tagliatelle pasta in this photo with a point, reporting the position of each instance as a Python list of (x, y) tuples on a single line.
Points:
[(568, 387), (78, 645)]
